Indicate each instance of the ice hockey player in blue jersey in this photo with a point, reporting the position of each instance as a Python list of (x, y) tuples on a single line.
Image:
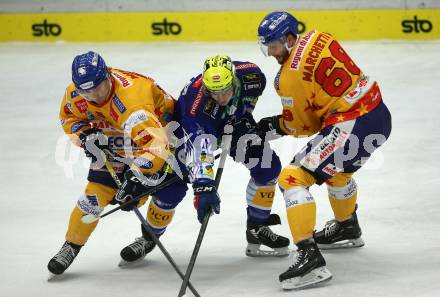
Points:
[(224, 94)]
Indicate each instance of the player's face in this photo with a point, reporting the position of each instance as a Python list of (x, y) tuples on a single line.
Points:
[(223, 98), (99, 93), (278, 48)]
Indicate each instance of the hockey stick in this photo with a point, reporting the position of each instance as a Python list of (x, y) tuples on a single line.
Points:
[(192, 261), (90, 218), (148, 229)]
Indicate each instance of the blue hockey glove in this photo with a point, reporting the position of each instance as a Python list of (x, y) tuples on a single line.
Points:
[(205, 198)]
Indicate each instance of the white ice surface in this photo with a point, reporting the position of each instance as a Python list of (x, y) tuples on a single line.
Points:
[(399, 201)]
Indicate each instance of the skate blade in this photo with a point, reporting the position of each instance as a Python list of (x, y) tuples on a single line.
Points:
[(254, 250), (344, 244), (313, 278), (124, 263), (52, 276)]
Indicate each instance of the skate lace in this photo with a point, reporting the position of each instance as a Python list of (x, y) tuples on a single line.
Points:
[(266, 232), (66, 255), (330, 228), (299, 258), (140, 245)]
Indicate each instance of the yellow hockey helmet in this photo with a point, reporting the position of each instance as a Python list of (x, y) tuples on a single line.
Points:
[(218, 73)]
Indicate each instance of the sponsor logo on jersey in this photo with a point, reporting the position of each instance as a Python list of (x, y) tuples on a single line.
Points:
[(325, 148), (251, 78), (299, 51), (103, 125), (287, 101), (119, 142), (245, 66), (331, 169), (118, 104), (143, 163), (81, 105), (77, 126), (196, 103), (358, 90), (122, 79), (248, 87), (135, 118)]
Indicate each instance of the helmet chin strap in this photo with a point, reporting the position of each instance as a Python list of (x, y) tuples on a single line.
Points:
[(289, 49)]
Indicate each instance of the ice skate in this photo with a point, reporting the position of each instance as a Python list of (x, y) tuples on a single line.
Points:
[(63, 259), (308, 268), (258, 235), (137, 250), (336, 235)]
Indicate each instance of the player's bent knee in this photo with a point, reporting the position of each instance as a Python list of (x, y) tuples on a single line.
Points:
[(293, 176)]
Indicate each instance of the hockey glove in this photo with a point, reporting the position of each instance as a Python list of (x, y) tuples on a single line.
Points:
[(205, 199), (243, 134), (131, 188), (243, 126), (94, 143), (270, 123)]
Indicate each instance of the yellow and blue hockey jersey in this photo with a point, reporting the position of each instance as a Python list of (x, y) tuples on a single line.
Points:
[(133, 118), (320, 85)]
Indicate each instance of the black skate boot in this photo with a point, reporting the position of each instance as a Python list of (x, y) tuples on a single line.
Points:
[(346, 234), (307, 270), (260, 234), (62, 260), (138, 249)]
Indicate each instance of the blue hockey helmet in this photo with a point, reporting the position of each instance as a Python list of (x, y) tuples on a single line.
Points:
[(88, 71), (275, 26)]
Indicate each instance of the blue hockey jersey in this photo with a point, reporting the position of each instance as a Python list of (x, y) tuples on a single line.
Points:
[(202, 119)]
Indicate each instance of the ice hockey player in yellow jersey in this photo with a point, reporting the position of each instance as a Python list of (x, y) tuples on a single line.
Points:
[(322, 92), (116, 112)]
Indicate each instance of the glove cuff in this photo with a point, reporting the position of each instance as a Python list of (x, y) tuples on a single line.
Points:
[(204, 186)]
